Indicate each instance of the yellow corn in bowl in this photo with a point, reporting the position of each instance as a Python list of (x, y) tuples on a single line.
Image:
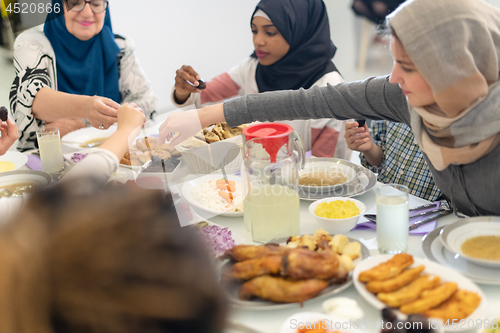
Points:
[(338, 214)]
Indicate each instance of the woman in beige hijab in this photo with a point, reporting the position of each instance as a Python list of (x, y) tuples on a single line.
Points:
[(444, 84)]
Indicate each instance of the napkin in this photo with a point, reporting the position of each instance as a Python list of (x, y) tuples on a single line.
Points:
[(422, 230), (34, 163)]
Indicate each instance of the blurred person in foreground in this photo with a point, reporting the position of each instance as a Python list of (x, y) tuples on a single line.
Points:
[(444, 85), (114, 261)]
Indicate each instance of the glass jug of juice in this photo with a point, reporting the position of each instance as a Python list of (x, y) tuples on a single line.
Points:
[(273, 156)]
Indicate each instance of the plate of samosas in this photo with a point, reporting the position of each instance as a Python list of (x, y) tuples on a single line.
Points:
[(417, 286), (277, 276)]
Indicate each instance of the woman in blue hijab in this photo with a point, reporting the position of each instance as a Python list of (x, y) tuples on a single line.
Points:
[(75, 74), (293, 50)]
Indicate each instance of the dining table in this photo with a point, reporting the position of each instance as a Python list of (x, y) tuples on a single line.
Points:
[(272, 320)]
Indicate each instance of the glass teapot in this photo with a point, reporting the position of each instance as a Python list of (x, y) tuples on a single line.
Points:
[(273, 156)]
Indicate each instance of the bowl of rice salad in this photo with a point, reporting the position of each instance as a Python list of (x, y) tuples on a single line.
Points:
[(211, 194)]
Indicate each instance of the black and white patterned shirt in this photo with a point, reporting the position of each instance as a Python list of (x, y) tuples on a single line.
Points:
[(35, 66)]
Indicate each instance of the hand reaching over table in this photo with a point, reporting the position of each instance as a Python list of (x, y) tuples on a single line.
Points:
[(102, 110), (130, 120), (181, 125)]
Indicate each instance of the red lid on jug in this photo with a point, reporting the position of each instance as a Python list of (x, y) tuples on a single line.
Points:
[(272, 136)]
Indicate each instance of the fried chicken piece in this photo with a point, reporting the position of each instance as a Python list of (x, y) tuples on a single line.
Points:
[(459, 306), (410, 292), (299, 264), (396, 282), (248, 269), (247, 252), (430, 298), (388, 269), (277, 289)]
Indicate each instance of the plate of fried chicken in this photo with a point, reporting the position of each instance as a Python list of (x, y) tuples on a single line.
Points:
[(286, 274)]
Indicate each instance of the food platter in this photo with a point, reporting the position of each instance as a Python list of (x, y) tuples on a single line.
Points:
[(82, 135), (363, 182), (432, 268), (263, 305), (455, 234), (187, 194), (14, 157), (434, 250)]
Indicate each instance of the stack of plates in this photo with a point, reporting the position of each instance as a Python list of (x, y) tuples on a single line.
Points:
[(358, 179), (443, 245)]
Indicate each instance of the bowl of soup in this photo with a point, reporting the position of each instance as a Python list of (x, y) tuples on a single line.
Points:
[(23, 182)]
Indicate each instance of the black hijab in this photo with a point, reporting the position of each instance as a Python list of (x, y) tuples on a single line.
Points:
[(304, 25)]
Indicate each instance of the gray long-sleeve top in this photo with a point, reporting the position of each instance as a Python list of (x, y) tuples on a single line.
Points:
[(474, 189)]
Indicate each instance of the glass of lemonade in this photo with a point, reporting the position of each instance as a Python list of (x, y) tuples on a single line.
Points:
[(392, 218), (49, 144)]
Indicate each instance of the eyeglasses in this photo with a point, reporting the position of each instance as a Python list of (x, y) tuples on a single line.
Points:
[(97, 6)]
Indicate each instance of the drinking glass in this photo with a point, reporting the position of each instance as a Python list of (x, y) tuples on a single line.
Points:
[(49, 144), (392, 218)]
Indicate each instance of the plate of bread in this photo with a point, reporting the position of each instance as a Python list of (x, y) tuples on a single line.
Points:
[(414, 285)]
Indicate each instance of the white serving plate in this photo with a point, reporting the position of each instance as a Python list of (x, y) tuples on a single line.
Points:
[(455, 234), (83, 135), (434, 250), (188, 187), (17, 158), (446, 274)]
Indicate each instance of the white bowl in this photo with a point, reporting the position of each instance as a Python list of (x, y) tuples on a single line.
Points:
[(337, 226), (38, 178)]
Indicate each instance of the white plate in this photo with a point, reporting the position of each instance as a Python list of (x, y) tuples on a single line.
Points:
[(187, 189), (331, 323), (364, 182), (455, 234), (446, 274), (330, 165), (260, 304), (434, 250), (85, 134), (17, 158)]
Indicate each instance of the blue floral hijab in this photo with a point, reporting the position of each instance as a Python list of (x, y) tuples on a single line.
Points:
[(84, 67), (304, 25)]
